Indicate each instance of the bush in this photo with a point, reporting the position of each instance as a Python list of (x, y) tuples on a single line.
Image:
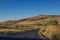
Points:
[(56, 36), (42, 29), (51, 22)]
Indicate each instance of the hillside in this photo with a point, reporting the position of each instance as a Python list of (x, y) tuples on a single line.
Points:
[(48, 25), (33, 22), (29, 23)]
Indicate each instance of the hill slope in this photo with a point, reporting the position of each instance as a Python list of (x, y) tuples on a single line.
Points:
[(51, 30), (33, 22)]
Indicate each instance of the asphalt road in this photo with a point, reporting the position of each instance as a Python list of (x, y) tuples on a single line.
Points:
[(30, 34)]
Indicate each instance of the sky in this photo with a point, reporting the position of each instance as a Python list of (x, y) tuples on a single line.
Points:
[(19, 9)]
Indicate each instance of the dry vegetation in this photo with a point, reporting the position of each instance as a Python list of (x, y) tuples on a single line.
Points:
[(51, 30), (49, 25)]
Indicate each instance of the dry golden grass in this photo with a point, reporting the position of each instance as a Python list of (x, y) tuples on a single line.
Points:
[(33, 23), (51, 31), (10, 30)]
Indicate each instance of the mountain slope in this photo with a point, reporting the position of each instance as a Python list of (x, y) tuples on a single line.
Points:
[(49, 29), (33, 22)]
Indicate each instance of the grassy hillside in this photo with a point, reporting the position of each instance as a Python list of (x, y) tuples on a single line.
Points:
[(51, 29), (48, 25), (29, 23)]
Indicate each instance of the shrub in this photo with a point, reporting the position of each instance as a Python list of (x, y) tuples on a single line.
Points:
[(51, 22), (42, 29), (56, 36)]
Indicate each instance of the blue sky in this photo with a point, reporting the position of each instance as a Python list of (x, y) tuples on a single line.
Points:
[(18, 9)]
